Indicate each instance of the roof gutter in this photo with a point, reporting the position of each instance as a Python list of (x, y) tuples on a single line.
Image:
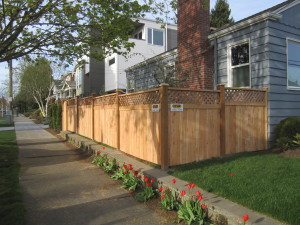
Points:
[(245, 23)]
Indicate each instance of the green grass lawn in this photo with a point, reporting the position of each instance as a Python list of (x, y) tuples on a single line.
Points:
[(266, 183), (3, 123), (11, 206)]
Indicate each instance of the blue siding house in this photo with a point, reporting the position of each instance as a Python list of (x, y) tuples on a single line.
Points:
[(263, 51)]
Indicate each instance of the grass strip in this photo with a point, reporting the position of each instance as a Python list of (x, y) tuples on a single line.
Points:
[(266, 183), (11, 205)]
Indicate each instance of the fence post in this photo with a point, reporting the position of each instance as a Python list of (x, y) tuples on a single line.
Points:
[(93, 117), (118, 118), (222, 120), (77, 116), (164, 134), (266, 117)]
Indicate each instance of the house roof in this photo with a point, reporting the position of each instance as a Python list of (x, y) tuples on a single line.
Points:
[(270, 13)]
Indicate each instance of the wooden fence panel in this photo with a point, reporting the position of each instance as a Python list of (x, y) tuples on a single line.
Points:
[(233, 116), (71, 118), (85, 120), (105, 124), (139, 132), (64, 116), (194, 134), (244, 128)]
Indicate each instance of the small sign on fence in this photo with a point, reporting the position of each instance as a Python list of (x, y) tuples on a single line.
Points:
[(176, 107), (155, 107)]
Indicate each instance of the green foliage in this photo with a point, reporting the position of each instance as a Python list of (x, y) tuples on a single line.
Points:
[(168, 200), (62, 28), (11, 206), (284, 143), (100, 160), (146, 194), (296, 140), (110, 165), (288, 127), (220, 14), (130, 181), (59, 116), (192, 213)]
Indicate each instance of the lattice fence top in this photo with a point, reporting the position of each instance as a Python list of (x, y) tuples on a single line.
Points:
[(71, 102), (85, 101), (106, 100), (245, 95), (192, 96), (140, 98)]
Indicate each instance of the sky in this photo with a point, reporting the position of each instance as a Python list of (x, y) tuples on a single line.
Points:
[(239, 9)]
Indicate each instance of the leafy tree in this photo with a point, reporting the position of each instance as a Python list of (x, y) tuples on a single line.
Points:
[(36, 81), (66, 28), (220, 14)]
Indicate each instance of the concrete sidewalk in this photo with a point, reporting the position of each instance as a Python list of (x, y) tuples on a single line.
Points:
[(61, 187), (223, 210)]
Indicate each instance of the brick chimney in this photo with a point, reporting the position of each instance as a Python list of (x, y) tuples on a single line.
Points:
[(195, 56)]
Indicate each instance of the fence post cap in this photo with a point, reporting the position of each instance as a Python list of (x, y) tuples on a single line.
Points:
[(164, 84)]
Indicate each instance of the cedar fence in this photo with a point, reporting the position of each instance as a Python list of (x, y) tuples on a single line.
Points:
[(200, 124)]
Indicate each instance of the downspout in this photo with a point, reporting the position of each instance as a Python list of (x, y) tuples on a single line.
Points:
[(216, 80), (117, 70)]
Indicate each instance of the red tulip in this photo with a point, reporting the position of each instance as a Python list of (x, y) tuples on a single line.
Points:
[(163, 196), (103, 147), (160, 189), (130, 166), (140, 177), (174, 181), (125, 172), (146, 179), (136, 173), (182, 193), (125, 167), (107, 159), (198, 193), (98, 152), (148, 184), (245, 217), (200, 198), (231, 174), (192, 185), (203, 206), (189, 186), (152, 180)]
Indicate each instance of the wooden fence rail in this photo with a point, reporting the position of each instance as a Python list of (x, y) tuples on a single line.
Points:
[(172, 126)]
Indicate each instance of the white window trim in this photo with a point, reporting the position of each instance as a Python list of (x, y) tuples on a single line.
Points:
[(287, 64), (153, 38), (229, 67)]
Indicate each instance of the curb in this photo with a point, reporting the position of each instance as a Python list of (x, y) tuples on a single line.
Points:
[(220, 210)]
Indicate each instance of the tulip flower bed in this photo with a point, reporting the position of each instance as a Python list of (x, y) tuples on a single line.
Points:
[(266, 183), (189, 206)]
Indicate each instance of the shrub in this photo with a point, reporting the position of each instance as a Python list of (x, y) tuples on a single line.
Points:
[(288, 127), (56, 116)]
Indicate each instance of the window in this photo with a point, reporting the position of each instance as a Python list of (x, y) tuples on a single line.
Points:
[(111, 61), (239, 65), (293, 64), (155, 37)]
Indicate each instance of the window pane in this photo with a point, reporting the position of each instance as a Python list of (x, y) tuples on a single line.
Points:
[(149, 36), (158, 37), (240, 54), (241, 77), (293, 64)]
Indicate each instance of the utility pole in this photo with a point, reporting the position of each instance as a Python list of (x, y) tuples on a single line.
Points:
[(10, 88)]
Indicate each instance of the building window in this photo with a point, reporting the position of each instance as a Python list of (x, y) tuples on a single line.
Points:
[(139, 36), (239, 65), (155, 37), (111, 61), (293, 64)]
